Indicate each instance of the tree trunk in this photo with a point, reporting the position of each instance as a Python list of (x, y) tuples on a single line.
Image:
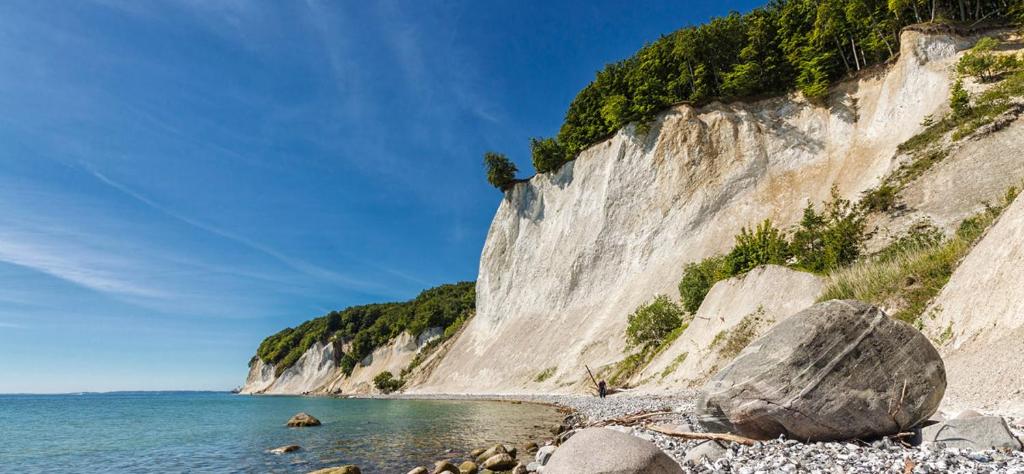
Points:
[(934, 6), (917, 17), (839, 47), (853, 46), (963, 13)]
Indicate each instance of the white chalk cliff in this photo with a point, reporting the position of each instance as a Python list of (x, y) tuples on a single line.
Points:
[(570, 254)]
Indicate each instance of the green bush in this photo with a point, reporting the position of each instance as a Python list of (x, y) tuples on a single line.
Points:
[(913, 269), (548, 154), (698, 278), (387, 383), (368, 327), (959, 100), (762, 246), (828, 240), (879, 199), (501, 172), (984, 64), (652, 323)]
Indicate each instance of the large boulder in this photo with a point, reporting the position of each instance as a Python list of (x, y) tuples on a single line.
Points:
[(606, 451), (974, 432), (837, 370), (303, 419)]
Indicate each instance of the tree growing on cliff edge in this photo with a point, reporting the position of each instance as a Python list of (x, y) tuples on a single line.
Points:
[(786, 45), (501, 172)]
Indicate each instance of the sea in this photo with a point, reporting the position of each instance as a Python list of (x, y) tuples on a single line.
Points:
[(169, 432)]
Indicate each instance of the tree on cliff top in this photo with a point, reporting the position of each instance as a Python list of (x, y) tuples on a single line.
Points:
[(501, 172), (786, 45)]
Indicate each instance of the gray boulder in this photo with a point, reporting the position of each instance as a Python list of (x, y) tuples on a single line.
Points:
[(605, 451), (712, 450), (837, 370), (544, 454), (975, 432)]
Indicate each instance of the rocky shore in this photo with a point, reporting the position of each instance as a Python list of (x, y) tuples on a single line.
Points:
[(886, 455)]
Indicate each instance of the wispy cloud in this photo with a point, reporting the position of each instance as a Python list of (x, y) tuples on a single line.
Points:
[(81, 265), (296, 264)]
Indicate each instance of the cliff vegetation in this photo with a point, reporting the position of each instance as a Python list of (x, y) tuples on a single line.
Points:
[(361, 329)]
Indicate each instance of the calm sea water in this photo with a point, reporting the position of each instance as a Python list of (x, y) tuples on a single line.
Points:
[(220, 432)]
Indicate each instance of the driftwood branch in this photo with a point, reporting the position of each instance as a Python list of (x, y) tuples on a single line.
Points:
[(629, 419), (710, 436)]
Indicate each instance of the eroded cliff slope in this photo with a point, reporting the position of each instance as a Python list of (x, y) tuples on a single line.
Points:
[(571, 253)]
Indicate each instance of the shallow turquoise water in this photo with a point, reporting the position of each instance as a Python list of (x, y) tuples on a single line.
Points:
[(220, 432)]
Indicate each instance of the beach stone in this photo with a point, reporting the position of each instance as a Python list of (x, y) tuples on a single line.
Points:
[(468, 467), (712, 450), (511, 450), (544, 454), (519, 469), (349, 469), (605, 451), (491, 452), (969, 413), (286, 449), (419, 470), (835, 371), (477, 452), (533, 467), (562, 438), (530, 448), (499, 462), (974, 433), (303, 419), (442, 467)]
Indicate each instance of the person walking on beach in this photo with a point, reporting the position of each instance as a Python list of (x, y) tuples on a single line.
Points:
[(602, 388)]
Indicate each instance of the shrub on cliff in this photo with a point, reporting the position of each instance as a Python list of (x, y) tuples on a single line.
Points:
[(830, 239), (548, 154), (651, 323), (501, 172), (387, 383), (698, 278), (761, 246)]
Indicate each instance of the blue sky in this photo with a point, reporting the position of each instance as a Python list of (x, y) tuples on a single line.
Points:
[(180, 179)]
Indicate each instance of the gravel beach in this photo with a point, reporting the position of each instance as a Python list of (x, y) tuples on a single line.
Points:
[(883, 456)]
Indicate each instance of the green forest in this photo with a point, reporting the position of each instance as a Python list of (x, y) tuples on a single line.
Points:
[(787, 45), (368, 327)]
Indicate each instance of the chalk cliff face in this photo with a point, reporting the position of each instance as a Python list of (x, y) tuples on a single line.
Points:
[(570, 254), (978, 320), (316, 372)]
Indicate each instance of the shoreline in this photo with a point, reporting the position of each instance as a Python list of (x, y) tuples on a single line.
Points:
[(779, 455)]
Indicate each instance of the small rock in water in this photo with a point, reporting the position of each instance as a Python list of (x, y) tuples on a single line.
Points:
[(491, 452), (468, 467), (530, 448), (499, 462), (519, 469), (533, 467), (286, 449), (445, 467), (419, 470), (303, 419), (477, 452), (350, 469)]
